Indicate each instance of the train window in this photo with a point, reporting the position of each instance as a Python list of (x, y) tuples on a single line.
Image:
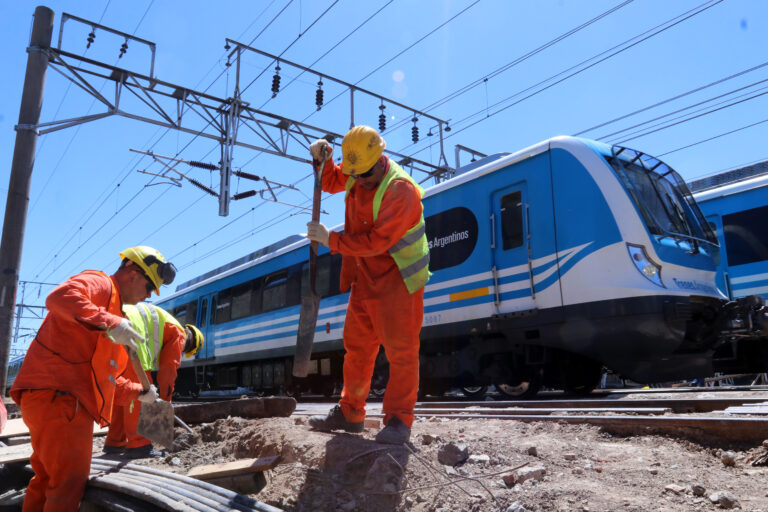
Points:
[(180, 314), (746, 236), (241, 301), (293, 286), (452, 236), (323, 279), (224, 306), (274, 294), (204, 313), (256, 296), (512, 220), (191, 316)]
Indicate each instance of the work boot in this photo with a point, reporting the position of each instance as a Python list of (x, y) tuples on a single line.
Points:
[(335, 420), (144, 452), (108, 448), (394, 433)]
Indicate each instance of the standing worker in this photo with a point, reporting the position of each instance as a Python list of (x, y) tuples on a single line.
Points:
[(68, 377), (385, 263), (162, 342)]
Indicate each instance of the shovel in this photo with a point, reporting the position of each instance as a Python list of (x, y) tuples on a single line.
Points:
[(310, 304), (155, 419)]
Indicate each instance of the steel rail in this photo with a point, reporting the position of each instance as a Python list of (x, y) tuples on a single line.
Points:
[(746, 430), (528, 412), (678, 405), (166, 480)]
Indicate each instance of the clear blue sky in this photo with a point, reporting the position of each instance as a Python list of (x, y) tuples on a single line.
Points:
[(88, 201)]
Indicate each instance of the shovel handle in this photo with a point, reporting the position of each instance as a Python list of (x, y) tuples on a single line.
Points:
[(138, 369)]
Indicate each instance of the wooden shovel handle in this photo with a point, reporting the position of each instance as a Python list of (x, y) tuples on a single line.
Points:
[(138, 369)]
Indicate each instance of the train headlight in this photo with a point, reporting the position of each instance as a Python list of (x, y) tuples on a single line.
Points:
[(645, 265)]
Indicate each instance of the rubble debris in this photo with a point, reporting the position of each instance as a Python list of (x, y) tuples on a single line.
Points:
[(452, 454), (674, 488), (725, 499), (728, 458), (569, 456), (533, 451), (427, 439), (479, 459), (698, 490)]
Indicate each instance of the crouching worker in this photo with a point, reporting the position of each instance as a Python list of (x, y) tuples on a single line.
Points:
[(163, 340), (68, 377), (384, 262)]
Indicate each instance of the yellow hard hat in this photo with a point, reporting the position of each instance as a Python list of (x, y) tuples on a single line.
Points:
[(361, 148), (152, 263), (198, 341)]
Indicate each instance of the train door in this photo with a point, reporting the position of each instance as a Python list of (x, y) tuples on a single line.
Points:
[(722, 278), (205, 308), (511, 265)]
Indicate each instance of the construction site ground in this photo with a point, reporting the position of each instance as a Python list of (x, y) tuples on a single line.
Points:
[(510, 466)]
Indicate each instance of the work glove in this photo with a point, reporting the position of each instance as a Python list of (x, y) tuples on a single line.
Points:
[(149, 396), (318, 233), (124, 334), (315, 149)]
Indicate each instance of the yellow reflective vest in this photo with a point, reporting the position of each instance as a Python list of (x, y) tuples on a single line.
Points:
[(411, 252), (149, 321)]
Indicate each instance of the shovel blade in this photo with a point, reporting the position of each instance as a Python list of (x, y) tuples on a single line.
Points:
[(310, 304), (156, 423)]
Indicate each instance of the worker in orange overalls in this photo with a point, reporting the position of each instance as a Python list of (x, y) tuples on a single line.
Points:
[(156, 352), (68, 377), (385, 260)]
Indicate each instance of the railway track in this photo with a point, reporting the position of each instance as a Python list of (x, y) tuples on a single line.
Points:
[(702, 419)]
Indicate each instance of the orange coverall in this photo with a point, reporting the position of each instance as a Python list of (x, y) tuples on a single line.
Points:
[(380, 311), (122, 430), (65, 383)]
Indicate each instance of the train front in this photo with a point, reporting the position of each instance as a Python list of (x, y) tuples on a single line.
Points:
[(678, 258)]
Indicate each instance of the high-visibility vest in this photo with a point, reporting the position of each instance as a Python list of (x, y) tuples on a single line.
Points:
[(149, 321), (411, 252)]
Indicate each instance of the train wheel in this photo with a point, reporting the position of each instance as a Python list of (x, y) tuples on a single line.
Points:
[(474, 391), (520, 391)]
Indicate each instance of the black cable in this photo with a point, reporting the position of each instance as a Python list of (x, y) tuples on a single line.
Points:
[(685, 16), (712, 138), (682, 95)]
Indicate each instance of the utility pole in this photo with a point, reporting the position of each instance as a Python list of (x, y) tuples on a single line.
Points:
[(21, 175)]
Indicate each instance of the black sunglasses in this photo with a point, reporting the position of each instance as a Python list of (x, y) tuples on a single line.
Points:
[(150, 285), (365, 174), (166, 270)]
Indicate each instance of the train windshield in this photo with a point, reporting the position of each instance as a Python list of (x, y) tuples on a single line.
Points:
[(661, 196)]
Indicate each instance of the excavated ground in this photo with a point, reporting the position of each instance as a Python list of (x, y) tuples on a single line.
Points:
[(565, 467)]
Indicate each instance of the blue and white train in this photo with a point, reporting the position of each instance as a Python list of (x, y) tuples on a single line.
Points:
[(549, 264), (735, 203)]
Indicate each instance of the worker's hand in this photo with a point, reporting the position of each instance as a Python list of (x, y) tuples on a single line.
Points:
[(124, 334), (318, 233), (315, 149), (149, 396)]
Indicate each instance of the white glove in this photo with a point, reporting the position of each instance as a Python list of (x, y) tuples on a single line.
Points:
[(149, 396), (124, 334), (315, 150), (318, 233)]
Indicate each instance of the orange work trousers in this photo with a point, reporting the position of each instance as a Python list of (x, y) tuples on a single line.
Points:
[(125, 420), (62, 440), (393, 321)]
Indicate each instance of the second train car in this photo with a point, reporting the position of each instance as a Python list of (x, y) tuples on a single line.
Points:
[(548, 264)]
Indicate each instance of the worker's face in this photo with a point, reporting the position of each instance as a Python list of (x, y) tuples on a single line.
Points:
[(372, 180), (138, 288)]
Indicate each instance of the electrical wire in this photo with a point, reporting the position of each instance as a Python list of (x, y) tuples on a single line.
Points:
[(712, 138), (611, 52)]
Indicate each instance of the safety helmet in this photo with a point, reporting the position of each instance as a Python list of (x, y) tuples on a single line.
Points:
[(152, 263), (361, 148), (198, 340)]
